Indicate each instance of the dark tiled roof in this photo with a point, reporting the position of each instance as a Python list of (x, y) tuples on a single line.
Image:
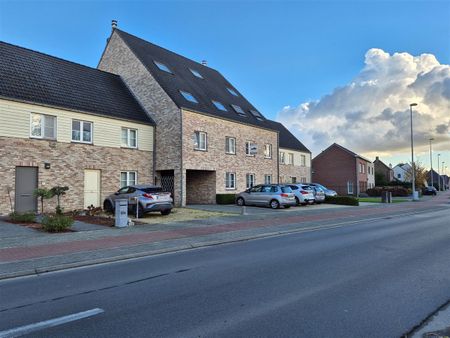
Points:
[(287, 139), (38, 78), (213, 86), (335, 145)]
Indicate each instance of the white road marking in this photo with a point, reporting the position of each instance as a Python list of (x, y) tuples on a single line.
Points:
[(22, 330)]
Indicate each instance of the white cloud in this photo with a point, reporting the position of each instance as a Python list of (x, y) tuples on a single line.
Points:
[(370, 115)]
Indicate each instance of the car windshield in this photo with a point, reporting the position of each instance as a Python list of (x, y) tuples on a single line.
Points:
[(150, 190), (306, 187), (321, 186), (286, 189), (294, 187)]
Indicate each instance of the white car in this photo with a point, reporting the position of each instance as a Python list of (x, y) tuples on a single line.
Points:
[(304, 194)]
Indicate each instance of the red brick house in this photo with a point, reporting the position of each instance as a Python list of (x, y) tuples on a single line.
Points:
[(342, 170)]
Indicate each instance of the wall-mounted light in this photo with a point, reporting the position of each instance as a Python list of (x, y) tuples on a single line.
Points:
[(47, 165)]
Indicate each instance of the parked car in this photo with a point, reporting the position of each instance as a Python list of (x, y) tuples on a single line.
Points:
[(430, 190), (150, 197), (272, 195), (304, 194), (319, 194), (328, 192)]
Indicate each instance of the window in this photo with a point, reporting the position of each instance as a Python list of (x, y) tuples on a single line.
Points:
[(188, 96), (290, 158), (230, 145), (257, 114), (230, 181), (128, 178), (219, 105), (267, 151), (293, 179), (196, 73), (350, 188), (250, 180), (238, 110), (303, 179), (43, 126), (267, 179), (399, 176), (81, 131), (250, 148), (232, 92), (162, 67), (200, 140), (303, 160), (129, 138), (282, 158)]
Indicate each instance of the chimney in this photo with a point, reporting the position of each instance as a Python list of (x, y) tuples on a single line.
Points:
[(204, 62), (113, 24), (377, 158)]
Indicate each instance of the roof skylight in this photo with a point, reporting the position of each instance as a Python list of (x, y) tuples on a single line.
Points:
[(162, 67), (219, 105), (238, 110), (257, 114), (232, 91), (196, 73), (188, 96)]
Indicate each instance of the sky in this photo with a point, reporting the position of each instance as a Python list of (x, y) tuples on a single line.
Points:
[(331, 71)]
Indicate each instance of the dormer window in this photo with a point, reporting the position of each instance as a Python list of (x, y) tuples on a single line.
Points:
[(196, 73), (232, 91), (219, 105), (188, 96), (162, 67), (239, 110)]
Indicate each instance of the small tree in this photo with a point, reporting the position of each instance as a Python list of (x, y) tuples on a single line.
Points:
[(42, 194), (58, 191), (420, 174)]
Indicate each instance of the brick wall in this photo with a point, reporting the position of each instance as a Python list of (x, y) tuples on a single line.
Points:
[(68, 161), (200, 187)]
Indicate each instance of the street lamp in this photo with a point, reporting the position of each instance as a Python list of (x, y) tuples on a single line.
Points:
[(431, 162), (439, 181), (440, 177), (414, 196)]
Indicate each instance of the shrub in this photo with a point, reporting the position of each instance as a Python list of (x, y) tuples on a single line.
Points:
[(342, 200), (397, 191), (27, 217), (57, 223), (225, 198)]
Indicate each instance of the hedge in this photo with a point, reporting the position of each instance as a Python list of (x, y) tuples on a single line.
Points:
[(342, 200), (397, 191), (225, 198), (57, 223), (27, 217)]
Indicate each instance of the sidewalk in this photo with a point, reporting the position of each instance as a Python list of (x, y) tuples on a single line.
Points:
[(26, 251)]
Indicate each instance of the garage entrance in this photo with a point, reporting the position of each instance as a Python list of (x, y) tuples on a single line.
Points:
[(200, 187)]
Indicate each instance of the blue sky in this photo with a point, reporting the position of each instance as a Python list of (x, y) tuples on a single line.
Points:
[(276, 53)]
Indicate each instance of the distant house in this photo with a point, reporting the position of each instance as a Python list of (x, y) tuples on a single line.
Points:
[(438, 180), (342, 170), (446, 182), (383, 171), (401, 172)]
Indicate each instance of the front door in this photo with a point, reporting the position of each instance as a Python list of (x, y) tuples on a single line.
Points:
[(91, 188), (26, 183)]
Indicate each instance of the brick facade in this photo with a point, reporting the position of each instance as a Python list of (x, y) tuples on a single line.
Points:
[(296, 171), (67, 164)]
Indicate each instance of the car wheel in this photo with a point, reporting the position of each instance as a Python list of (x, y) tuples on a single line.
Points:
[(274, 204), (108, 207), (240, 201), (166, 212), (297, 202)]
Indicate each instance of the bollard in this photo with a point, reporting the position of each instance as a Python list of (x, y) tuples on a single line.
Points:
[(244, 210)]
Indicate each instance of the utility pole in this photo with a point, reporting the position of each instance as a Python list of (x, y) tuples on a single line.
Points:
[(431, 163), (439, 181), (414, 197)]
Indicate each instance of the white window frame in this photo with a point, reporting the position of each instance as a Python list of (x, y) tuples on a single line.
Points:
[(81, 140), (303, 179), (128, 182), (303, 160), (350, 188), (228, 148), (248, 145), (43, 117), (267, 150), (128, 144), (230, 181), (282, 157), (267, 179), (290, 158), (250, 180), (197, 141)]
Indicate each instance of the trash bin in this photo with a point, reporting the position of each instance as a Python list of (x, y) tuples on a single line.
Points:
[(121, 208)]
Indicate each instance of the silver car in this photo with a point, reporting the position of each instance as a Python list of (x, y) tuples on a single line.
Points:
[(319, 194), (272, 195), (328, 192), (150, 197), (304, 194)]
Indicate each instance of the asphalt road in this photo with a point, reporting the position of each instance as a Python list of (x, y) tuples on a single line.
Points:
[(373, 279)]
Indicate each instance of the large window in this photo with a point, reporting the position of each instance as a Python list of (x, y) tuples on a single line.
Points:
[(250, 148), (267, 179), (303, 160), (250, 180), (129, 138), (230, 145), (267, 151), (282, 157), (230, 181), (200, 140), (290, 158), (81, 131), (128, 178), (350, 188), (43, 126)]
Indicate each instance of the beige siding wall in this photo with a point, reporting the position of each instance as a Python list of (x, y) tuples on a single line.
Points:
[(15, 122), (297, 170)]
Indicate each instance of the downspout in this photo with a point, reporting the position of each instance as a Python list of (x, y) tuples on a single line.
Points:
[(278, 157), (181, 159), (154, 155), (357, 183)]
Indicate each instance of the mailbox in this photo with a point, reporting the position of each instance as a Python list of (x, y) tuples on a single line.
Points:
[(121, 213)]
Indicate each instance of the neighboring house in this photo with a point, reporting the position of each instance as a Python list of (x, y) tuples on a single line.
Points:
[(209, 138), (66, 124), (342, 170), (370, 175), (402, 172), (438, 180), (383, 171), (294, 157)]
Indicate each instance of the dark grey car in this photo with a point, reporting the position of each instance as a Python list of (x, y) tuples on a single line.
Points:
[(270, 195), (151, 198)]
